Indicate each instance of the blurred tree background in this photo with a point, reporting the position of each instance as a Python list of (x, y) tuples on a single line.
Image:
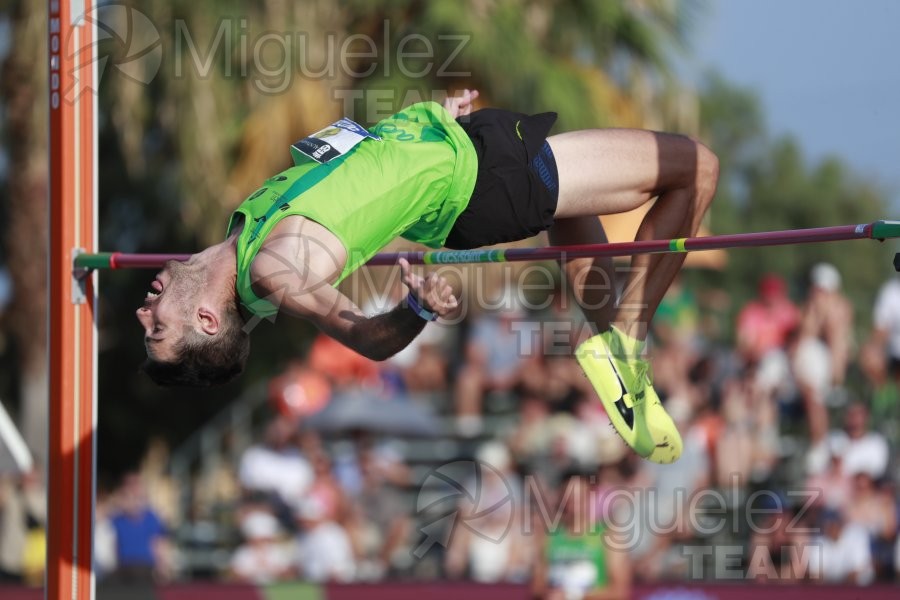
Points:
[(238, 82)]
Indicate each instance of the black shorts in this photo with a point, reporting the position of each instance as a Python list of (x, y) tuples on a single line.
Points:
[(517, 187)]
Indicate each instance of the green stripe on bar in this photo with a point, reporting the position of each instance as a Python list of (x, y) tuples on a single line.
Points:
[(882, 230), (93, 261), (677, 245)]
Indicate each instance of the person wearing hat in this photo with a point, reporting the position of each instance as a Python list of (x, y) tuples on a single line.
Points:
[(264, 557), (764, 323), (822, 349), (827, 315)]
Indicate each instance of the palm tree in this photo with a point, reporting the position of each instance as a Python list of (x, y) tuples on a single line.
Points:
[(596, 63)]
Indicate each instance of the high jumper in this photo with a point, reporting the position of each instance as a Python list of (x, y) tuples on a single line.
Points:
[(441, 176)]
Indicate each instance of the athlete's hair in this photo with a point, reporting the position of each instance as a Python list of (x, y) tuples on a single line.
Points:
[(204, 361)]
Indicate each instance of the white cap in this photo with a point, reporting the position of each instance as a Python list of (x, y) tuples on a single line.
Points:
[(496, 454), (311, 508), (260, 525), (826, 276)]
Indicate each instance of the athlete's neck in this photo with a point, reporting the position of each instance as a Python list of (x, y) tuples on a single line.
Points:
[(218, 263)]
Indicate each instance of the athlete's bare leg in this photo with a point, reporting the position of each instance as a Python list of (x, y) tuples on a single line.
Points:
[(616, 170), (591, 279)]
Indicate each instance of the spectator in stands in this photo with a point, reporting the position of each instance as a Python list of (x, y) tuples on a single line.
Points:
[(821, 350), (23, 509), (874, 509), (276, 467), (325, 488), (580, 558), (782, 542), (143, 553), (104, 535), (264, 557), (487, 545), (486, 548), (827, 317), (884, 344), (845, 556), (861, 448), (532, 435), (764, 323), (664, 521), (422, 365), (324, 551), (866, 451), (880, 356), (368, 463), (381, 525), (832, 487), (494, 360), (748, 443)]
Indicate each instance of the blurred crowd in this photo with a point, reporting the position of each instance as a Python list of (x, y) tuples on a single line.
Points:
[(484, 455)]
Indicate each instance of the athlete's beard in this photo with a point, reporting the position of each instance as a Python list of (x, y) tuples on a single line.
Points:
[(185, 285)]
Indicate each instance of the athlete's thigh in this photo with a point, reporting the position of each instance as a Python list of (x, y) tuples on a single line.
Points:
[(603, 171)]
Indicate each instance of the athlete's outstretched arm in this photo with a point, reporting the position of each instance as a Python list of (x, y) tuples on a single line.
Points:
[(379, 337)]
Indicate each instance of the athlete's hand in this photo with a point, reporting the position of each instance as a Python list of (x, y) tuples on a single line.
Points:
[(460, 106), (432, 292)]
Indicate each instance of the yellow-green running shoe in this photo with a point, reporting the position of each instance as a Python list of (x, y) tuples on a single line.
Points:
[(667, 441), (623, 384)]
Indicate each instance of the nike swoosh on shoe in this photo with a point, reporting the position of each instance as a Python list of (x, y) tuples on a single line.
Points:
[(625, 411)]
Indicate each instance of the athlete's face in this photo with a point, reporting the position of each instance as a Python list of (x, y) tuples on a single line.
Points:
[(168, 308)]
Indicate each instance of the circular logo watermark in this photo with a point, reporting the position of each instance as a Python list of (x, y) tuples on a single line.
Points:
[(467, 493), (127, 41)]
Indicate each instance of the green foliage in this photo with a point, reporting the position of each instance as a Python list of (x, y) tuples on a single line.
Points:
[(577, 58)]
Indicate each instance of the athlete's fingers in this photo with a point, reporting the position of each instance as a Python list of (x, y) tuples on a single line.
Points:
[(412, 281), (448, 106), (446, 293), (404, 271)]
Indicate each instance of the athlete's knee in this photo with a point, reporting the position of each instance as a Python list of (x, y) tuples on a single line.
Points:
[(707, 176)]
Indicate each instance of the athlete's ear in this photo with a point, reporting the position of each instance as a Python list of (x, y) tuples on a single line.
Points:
[(209, 320)]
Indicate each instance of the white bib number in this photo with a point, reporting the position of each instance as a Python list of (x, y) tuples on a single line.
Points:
[(333, 141)]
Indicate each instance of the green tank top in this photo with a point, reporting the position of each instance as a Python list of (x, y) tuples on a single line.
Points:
[(577, 561), (413, 183)]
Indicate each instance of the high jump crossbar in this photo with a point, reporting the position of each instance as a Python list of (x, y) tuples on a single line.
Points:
[(879, 230)]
